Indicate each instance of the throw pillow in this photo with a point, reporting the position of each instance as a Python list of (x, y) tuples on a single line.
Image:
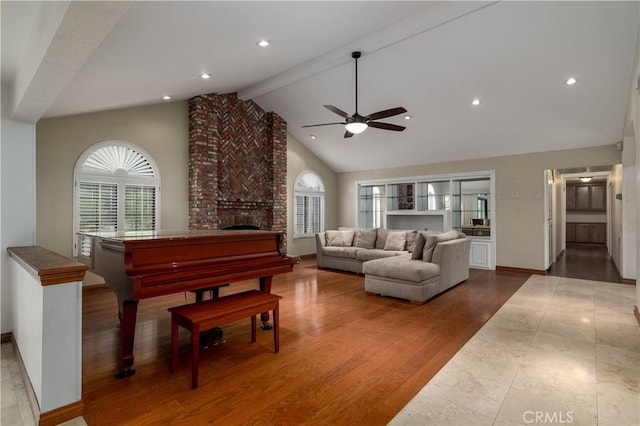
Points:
[(395, 240), (433, 240), (365, 238), (411, 240), (382, 238), (339, 238), (416, 254)]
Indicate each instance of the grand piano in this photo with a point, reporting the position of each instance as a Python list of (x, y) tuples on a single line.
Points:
[(139, 265)]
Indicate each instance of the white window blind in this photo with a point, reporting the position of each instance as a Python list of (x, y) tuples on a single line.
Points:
[(308, 214), (98, 207), (301, 214), (140, 208)]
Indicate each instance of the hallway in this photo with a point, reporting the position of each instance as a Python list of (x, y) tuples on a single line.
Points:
[(586, 263)]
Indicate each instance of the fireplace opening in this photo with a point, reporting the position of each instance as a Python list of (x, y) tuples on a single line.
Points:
[(241, 227)]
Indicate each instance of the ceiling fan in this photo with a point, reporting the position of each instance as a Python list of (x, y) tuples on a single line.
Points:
[(357, 123)]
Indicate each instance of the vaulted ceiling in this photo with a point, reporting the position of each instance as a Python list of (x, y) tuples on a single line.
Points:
[(433, 58)]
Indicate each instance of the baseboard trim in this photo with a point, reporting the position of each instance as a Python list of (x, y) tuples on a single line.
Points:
[(627, 281), (522, 270), (28, 387), (6, 337), (559, 256), (62, 414), (637, 314)]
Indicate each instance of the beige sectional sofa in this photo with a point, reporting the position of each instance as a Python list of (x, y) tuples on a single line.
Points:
[(348, 248), (442, 263), (407, 264)]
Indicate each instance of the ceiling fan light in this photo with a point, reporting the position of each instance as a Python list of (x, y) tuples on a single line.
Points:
[(356, 127)]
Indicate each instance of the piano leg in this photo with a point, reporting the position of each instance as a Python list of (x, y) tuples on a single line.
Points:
[(265, 286), (128, 314)]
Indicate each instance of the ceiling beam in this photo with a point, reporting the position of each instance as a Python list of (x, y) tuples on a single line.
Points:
[(432, 16), (65, 34)]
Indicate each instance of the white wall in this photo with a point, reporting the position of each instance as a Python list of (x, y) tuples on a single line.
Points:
[(17, 195), (629, 226), (632, 138), (615, 217), (48, 333)]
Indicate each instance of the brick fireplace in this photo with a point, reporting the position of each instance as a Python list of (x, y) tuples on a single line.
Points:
[(237, 164)]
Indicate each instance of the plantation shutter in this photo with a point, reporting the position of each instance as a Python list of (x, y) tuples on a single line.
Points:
[(98, 207), (140, 208), (316, 214), (302, 216)]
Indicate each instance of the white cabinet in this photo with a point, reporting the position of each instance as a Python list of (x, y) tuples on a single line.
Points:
[(480, 254)]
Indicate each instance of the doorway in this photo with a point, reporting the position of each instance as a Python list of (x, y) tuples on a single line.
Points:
[(579, 223)]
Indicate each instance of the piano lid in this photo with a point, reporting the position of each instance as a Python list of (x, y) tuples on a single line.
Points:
[(128, 236)]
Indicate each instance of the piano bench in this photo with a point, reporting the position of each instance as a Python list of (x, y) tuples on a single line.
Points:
[(203, 316)]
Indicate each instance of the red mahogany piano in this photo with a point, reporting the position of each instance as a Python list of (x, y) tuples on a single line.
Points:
[(143, 265)]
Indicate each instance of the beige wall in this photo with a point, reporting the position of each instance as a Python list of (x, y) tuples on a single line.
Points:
[(519, 195), (161, 130), (300, 159)]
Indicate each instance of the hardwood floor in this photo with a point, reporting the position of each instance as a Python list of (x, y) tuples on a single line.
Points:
[(345, 357), (587, 263)]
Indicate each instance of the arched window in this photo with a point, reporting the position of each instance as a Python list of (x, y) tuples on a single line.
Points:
[(116, 188), (309, 205)]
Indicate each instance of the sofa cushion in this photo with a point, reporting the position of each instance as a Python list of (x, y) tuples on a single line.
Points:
[(365, 238), (346, 252), (401, 268), (396, 240), (342, 238), (371, 254), (421, 239), (433, 240)]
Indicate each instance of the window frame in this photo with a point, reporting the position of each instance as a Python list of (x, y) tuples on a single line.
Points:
[(120, 178), (311, 194)]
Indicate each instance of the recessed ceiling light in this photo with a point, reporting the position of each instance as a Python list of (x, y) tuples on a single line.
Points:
[(263, 43), (475, 102), (205, 76), (571, 81), (166, 97), (312, 136), (407, 117)]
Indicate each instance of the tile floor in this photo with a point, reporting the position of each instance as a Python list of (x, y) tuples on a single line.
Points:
[(560, 351)]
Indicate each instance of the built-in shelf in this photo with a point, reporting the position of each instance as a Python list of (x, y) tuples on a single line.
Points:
[(462, 201)]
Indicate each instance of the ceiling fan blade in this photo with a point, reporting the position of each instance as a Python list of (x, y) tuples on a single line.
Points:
[(348, 134), (386, 113), (338, 111), (386, 126), (323, 124)]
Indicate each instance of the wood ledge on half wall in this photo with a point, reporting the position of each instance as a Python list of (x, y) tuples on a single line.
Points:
[(49, 267)]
